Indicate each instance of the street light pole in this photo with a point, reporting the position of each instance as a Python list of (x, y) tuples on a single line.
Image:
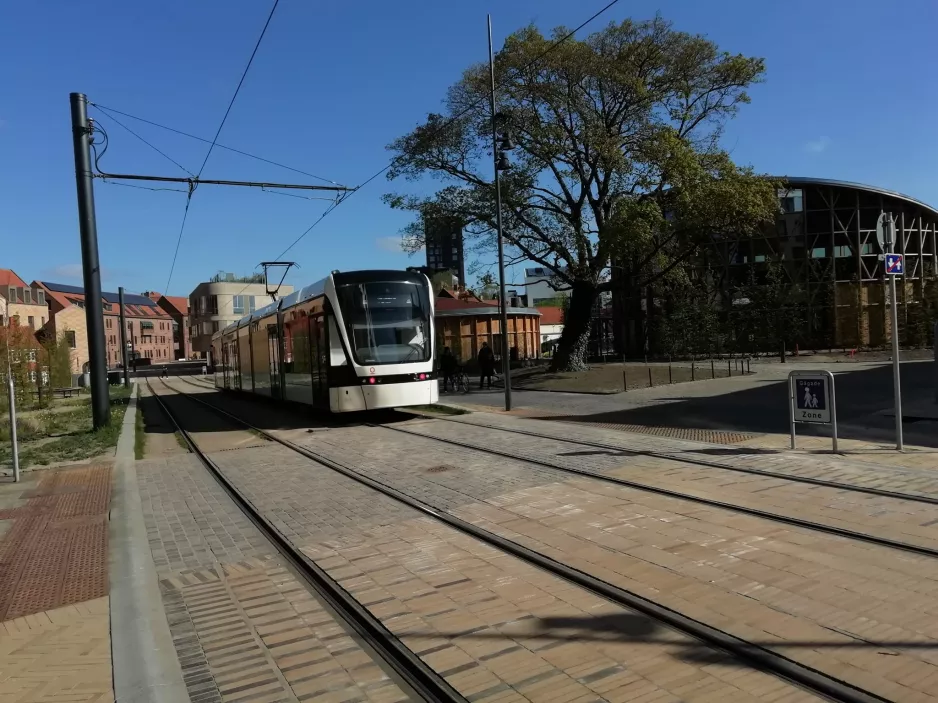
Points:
[(506, 361), (123, 324), (11, 389), (91, 266)]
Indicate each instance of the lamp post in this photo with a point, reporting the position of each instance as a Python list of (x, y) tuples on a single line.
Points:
[(500, 145)]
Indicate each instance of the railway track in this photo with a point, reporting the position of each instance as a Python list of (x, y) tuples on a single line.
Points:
[(921, 550), (710, 463), (754, 655), (424, 683)]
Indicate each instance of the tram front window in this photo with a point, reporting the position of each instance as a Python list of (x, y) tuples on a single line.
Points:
[(387, 323)]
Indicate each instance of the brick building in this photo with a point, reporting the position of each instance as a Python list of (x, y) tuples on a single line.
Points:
[(177, 307), (149, 327), (24, 302), (463, 322)]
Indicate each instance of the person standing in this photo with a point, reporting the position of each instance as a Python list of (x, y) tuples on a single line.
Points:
[(448, 368), (486, 364)]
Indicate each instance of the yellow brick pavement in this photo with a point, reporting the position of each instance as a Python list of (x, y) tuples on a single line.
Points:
[(57, 656)]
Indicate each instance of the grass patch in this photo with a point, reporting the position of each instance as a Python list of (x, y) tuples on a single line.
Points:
[(440, 409), (63, 432), (180, 440), (140, 437)]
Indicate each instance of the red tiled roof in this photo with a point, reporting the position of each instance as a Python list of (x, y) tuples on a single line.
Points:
[(53, 295), (178, 302), (454, 304), (9, 278), (551, 315)]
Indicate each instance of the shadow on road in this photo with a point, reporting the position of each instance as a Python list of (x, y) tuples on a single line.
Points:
[(764, 408)]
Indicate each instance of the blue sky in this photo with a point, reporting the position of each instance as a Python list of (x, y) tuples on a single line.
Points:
[(849, 95)]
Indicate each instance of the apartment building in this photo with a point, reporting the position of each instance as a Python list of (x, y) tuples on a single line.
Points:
[(149, 327), (224, 299), (23, 303), (177, 308)]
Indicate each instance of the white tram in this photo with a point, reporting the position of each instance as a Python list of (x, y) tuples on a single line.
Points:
[(356, 340)]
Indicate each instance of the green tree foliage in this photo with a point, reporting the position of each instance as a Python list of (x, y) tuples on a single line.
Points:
[(617, 158), (19, 352), (58, 361), (768, 312)]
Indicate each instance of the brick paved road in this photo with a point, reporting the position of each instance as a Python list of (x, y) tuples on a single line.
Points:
[(914, 472), (852, 609), (494, 627), (244, 628), (888, 517)]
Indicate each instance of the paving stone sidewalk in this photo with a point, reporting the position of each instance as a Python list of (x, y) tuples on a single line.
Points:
[(54, 615)]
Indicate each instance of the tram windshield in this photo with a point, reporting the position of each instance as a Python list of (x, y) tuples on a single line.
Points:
[(387, 322)]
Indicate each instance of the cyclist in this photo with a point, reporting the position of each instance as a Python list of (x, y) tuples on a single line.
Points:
[(448, 366)]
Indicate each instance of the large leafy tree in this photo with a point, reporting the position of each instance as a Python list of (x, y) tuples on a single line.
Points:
[(617, 160)]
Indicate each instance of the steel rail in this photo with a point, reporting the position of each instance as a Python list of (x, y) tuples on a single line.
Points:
[(710, 502), (757, 656), (421, 678), (709, 463)]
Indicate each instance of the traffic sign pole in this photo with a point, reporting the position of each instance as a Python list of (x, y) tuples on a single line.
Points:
[(889, 231)]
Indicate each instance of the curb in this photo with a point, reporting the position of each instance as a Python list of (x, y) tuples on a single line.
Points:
[(146, 668)]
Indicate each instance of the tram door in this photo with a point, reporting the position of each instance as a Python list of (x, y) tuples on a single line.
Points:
[(225, 364), (318, 350), (273, 354)]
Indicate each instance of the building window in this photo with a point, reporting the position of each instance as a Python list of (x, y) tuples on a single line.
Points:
[(791, 200), (250, 303), (27, 296), (70, 338), (32, 322), (108, 307), (237, 304), (40, 296)]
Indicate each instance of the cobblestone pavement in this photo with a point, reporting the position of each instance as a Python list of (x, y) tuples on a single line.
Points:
[(888, 517), (245, 629), (495, 628), (857, 611), (863, 464)]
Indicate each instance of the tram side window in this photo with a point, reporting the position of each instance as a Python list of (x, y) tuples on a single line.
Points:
[(296, 344)]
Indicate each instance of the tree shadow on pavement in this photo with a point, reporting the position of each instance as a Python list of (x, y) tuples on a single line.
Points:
[(764, 408)]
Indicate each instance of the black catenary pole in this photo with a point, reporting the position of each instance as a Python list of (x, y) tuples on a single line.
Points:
[(506, 361), (123, 323), (91, 268)]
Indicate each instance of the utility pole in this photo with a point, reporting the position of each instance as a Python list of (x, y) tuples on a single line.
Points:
[(11, 389), (497, 159), (91, 267), (123, 323)]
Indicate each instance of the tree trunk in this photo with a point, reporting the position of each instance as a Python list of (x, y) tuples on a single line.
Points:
[(574, 340)]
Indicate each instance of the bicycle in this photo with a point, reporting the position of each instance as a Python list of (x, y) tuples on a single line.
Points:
[(461, 380)]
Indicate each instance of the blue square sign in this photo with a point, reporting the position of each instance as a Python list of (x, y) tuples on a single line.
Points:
[(811, 399), (894, 264)]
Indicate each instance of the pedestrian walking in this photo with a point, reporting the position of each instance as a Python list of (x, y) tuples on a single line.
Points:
[(448, 366), (486, 364)]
